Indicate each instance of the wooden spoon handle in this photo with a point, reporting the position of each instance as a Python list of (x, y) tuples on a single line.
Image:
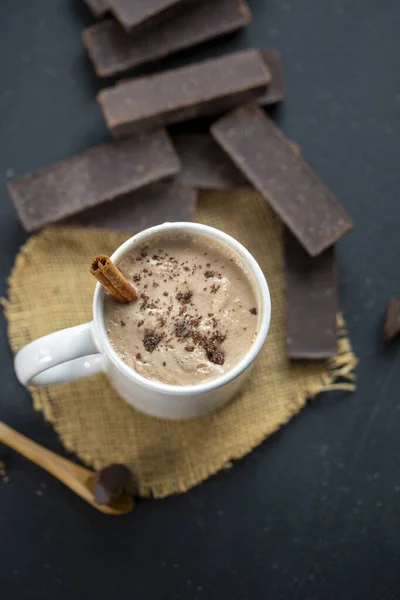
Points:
[(54, 464)]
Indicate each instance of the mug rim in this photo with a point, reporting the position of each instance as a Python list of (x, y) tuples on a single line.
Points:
[(208, 386)]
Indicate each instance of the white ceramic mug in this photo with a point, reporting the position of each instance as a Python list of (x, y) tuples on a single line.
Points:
[(85, 349)]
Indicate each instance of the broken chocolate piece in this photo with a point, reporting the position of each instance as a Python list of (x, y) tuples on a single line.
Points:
[(262, 152), (311, 301), (98, 7), (113, 51), (143, 15), (155, 204), (111, 483), (206, 88), (392, 322), (204, 164), (276, 90), (97, 175)]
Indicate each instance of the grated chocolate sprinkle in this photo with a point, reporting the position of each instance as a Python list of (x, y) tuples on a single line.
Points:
[(209, 274), (253, 311), (184, 297), (137, 277), (151, 340)]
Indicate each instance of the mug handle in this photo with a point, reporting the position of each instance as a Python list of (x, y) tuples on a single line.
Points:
[(62, 356)]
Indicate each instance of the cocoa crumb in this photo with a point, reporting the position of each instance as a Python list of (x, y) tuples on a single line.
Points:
[(181, 329), (253, 311), (137, 277), (189, 348), (143, 254), (194, 321), (140, 323), (208, 265), (145, 286), (138, 356), (122, 323), (184, 297), (164, 364), (214, 353), (155, 257), (210, 314), (155, 284), (209, 274), (145, 270), (151, 340), (186, 269), (165, 294), (218, 337), (161, 321), (214, 288)]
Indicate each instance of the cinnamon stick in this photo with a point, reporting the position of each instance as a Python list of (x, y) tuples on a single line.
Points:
[(112, 280)]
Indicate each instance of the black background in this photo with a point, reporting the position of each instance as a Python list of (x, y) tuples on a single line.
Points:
[(315, 511)]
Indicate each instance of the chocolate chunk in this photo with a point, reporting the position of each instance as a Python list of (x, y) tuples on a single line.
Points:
[(151, 340), (98, 7), (113, 51), (262, 152), (392, 322), (209, 274), (141, 16), (276, 90), (311, 296), (97, 175), (253, 311), (111, 483), (206, 88), (155, 204)]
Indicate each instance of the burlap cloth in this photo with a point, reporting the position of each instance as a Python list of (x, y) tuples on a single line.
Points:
[(50, 288)]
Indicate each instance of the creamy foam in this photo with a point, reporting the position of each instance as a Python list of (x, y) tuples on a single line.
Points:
[(196, 315)]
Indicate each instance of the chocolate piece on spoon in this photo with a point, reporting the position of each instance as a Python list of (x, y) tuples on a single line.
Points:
[(392, 322), (111, 483)]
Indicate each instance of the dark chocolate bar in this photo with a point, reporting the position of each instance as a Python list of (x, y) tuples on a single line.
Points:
[(206, 88), (136, 15), (392, 321), (204, 164), (154, 204), (114, 51), (262, 152), (311, 301), (276, 90), (95, 176), (98, 7)]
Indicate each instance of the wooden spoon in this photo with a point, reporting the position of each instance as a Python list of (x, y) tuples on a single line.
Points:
[(77, 478)]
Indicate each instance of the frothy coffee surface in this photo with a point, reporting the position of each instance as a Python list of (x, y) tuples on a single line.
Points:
[(196, 315)]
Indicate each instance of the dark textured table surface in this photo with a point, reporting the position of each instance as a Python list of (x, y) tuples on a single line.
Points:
[(314, 512)]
